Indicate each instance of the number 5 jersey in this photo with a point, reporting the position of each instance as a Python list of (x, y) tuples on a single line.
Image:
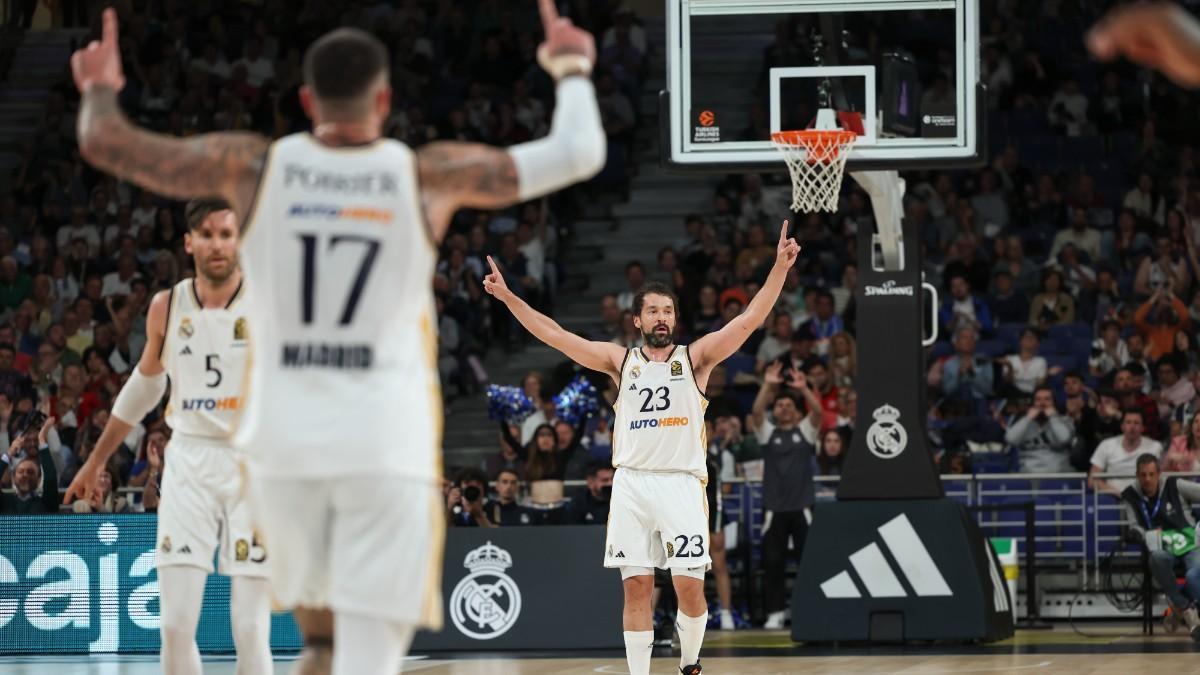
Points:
[(660, 415), (339, 265)]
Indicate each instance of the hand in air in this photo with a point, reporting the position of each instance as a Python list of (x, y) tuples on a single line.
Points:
[(1158, 35), (494, 283), (787, 250), (100, 62), (798, 380), (564, 39), (773, 375)]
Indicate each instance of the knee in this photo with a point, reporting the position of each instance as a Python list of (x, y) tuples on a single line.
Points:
[(247, 627), (175, 629), (639, 589)]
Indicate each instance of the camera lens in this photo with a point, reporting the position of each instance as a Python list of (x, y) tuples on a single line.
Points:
[(472, 493)]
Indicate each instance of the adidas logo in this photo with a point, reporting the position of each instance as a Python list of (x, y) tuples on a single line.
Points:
[(187, 351), (185, 549), (633, 387), (877, 576), (620, 554)]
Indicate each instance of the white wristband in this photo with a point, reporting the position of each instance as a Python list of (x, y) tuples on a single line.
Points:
[(564, 64)]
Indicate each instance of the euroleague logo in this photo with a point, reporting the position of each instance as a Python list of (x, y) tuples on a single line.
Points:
[(707, 118)]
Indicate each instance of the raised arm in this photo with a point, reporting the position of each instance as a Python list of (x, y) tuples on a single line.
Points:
[(714, 348), (141, 393), (604, 357), (455, 175), (1159, 35), (210, 165)]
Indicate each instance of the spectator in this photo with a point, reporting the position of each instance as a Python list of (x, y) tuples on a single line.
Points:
[(824, 323), (29, 471), (1108, 351), (1173, 389), (1139, 363), (1155, 507), (1009, 305), (104, 497), (1021, 271), (821, 383), (1042, 437), (1025, 370), (1080, 234), (1165, 273), (707, 312), (967, 374), (1080, 406), (1118, 455), (842, 360), (963, 308), (1128, 387), (1069, 109), (504, 511), (1079, 278), (1159, 319), (465, 498), (591, 508), (635, 278), (834, 444), (731, 446), (1053, 304), (776, 343), (1183, 455), (990, 203), (1125, 246), (610, 319), (1143, 202), (789, 447)]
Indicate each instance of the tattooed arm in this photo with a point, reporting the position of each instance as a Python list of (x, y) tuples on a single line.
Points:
[(464, 175), (210, 165), (213, 165)]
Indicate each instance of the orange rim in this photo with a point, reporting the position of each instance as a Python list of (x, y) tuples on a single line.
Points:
[(823, 145)]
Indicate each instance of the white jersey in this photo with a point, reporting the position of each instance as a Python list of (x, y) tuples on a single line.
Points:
[(339, 268), (660, 415), (204, 352)]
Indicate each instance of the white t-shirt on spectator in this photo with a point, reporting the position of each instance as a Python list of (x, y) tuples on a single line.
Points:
[(770, 348), (1110, 457), (1026, 374), (535, 259), (258, 71), (114, 286), (89, 233), (807, 430), (143, 217)]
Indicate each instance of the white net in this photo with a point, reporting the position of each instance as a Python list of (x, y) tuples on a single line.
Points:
[(816, 159)]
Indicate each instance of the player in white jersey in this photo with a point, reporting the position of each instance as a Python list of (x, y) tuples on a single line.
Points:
[(658, 515), (340, 228), (196, 337)]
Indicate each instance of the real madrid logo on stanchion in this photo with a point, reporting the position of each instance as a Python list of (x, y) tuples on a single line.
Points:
[(487, 602), (886, 438)]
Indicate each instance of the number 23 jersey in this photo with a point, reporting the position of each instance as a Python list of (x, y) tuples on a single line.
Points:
[(339, 268), (660, 415)]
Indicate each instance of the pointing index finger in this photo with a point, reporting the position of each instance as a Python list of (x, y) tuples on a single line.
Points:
[(783, 230), (110, 27), (492, 264), (549, 13)]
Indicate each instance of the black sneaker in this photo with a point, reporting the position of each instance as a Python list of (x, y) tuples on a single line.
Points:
[(693, 669)]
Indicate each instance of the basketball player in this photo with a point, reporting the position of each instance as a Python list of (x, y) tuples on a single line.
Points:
[(196, 337), (1159, 35), (338, 246), (658, 516)]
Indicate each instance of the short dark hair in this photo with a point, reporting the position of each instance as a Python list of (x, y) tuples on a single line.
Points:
[(198, 210), (1146, 458), (595, 466), (655, 288), (1044, 387), (343, 63), (636, 264), (789, 396), (501, 472), (1073, 374), (823, 294), (7, 347), (1132, 411), (470, 474)]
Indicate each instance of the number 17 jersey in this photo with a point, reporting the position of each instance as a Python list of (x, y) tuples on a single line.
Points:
[(660, 415), (339, 268)]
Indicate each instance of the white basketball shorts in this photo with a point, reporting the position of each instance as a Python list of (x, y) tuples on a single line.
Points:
[(366, 545), (204, 508), (657, 519)]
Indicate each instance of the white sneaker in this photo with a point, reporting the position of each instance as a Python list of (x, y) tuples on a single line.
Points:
[(1192, 620), (726, 620), (775, 621)]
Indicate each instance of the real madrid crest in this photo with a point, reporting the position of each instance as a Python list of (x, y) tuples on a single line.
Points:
[(886, 438), (676, 369), (486, 602), (239, 328), (635, 372), (186, 330)]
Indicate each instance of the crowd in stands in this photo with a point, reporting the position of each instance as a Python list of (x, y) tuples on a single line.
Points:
[(81, 254)]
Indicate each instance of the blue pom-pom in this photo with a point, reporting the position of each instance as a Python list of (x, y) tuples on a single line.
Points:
[(577, 400), (508, 404)]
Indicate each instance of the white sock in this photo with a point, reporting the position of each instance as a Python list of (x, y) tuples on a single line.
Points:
[(250, 618), (181, 593), (691, 636), (638, 644), (368, 646)]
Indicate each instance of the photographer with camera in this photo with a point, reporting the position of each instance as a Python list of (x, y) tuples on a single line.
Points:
[(464, 500), (1042, 436), (1160, 513), (1159, 319)]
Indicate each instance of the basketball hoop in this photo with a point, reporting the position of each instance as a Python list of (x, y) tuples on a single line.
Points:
[(816, 158)]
